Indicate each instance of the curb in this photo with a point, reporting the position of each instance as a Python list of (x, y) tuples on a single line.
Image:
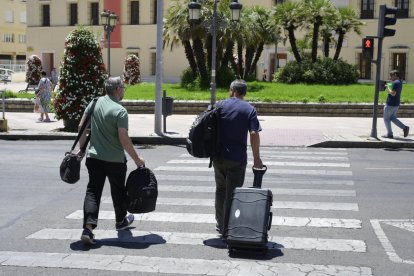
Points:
[(363, 144)]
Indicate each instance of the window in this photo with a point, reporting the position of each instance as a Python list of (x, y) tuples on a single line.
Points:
[(364, 67), (23, 17), (8, 38), (153, 63), (402, 8), (367, 9), (278, 2), (399, 61), (134, 12), (9, 16), (94, 13), (22, 38), (73, 14), (155, 12), (45, 15)]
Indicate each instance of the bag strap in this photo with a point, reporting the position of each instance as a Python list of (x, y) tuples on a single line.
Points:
[(85, 123)]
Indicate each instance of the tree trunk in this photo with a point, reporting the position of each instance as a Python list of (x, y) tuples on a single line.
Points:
[(326, 43), (259, 51), (292, 41), (228, 53), (248, 61), (240, 59), (315, 37), (339, 45), (190, 56), (201, 61)]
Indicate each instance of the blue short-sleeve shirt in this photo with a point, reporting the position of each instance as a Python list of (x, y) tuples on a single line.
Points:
[(395, 100), (238, 118)]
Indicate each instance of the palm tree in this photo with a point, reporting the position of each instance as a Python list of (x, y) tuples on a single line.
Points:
[(316, 13), (290, 16), (348, 21)]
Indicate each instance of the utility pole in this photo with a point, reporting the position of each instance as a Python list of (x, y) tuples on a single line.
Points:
[(159, 70)]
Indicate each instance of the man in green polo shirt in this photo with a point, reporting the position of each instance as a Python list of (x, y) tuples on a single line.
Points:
[(105, 158)]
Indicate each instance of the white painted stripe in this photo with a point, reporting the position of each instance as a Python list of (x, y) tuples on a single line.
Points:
[(176, 266), (300, 157), (156, 237), (290, 153), (386, 244), (269, 171), (326, 206), (205, 178), (209, 218), (275, 191), (268, 163)]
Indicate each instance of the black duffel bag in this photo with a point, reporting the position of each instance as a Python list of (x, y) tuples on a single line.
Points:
[(70, 168), (142, 191)]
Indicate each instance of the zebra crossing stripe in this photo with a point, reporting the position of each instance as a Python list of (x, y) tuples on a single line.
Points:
[(264, 152), (269, 171), (302, 157), (156, 237), (325, 206), (275, 191), (210, 178), (268, 163), (176, 266), (209, 218)]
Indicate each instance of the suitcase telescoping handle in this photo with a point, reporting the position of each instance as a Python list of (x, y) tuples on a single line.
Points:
[(270, 221), (258, 176)]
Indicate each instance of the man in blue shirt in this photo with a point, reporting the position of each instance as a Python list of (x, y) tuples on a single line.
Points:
[(238, 119), (392, 105)]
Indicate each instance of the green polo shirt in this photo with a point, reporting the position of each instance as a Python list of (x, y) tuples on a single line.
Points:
[(108, 116)]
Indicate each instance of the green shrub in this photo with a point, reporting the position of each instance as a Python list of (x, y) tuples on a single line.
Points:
[(187, 78), (224, 77), (323, 71)]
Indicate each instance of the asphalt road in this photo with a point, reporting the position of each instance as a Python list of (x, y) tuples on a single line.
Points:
[(336, 212)]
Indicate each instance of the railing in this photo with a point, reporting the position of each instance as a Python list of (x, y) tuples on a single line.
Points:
[(16, 67)]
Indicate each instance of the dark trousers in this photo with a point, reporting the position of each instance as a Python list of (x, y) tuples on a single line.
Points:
[(98, 171), (228, 175)]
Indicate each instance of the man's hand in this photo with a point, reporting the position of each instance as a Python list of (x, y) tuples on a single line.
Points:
[(80, 154), (257, 163), (140, 162)]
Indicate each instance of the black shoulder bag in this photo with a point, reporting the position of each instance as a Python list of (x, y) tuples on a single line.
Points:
[(70, 166)]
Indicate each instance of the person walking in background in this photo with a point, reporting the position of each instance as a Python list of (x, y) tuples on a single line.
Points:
[(43, 98), (391, 107), (54, 78), (106, 158), (238, 119)]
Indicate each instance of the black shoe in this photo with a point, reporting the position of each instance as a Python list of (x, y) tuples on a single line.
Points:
[(406, 131), (387, 136), (88, 238), (125, 223), (218, 228)]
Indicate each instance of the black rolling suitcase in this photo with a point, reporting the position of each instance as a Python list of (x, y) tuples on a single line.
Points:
[(250, 217)]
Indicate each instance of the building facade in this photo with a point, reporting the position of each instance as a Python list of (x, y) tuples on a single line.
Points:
[(13, 35), (50, 21)]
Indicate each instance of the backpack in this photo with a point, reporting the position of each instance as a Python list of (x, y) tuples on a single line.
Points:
[(204, 136), (142, 191)]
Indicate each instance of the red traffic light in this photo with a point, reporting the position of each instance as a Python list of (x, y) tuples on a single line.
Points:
[(368, 43)]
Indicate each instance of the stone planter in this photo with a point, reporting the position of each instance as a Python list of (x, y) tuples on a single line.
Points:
[(71, 125)]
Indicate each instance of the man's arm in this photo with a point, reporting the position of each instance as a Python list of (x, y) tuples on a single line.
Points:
[(82, 139), (126, 143), (255, 143)]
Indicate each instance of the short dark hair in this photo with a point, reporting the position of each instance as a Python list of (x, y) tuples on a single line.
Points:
[(43, 73), (239, 86), (395, 72)]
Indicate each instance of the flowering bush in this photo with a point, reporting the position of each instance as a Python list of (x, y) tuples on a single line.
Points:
[(82, 75), (132, 74), (34, 70)]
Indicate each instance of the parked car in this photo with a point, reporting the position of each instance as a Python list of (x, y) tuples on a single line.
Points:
[(6, 74)]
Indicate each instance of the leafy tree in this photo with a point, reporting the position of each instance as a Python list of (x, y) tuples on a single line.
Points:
[(132, 74), (82, 76), (34, 70)]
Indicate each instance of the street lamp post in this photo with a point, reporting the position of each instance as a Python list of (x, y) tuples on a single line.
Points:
[(194, 13), (108, 20)]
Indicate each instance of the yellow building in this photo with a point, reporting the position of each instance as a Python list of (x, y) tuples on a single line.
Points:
[(49, 22), (13, 35)]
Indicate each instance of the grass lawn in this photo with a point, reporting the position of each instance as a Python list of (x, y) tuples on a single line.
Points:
[(271, 92)]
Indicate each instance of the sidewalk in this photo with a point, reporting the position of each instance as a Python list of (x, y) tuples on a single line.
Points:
[(277, 131)]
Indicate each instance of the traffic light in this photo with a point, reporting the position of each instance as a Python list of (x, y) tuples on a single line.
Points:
[(384, 21), (368, 48)]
